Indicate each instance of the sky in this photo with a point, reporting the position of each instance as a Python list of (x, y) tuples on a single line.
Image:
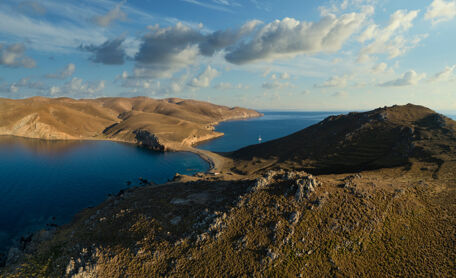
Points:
[(269, 54)]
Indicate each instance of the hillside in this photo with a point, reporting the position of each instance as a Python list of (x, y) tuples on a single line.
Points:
[(385, 137), (160, 124), (393, 214)]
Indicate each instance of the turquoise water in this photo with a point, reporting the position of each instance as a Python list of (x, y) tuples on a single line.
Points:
[(47, 182)]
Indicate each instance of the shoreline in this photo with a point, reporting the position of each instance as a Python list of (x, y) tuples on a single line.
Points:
[(215, 161)]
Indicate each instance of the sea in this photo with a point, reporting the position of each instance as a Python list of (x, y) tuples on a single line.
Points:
[(45, 183)]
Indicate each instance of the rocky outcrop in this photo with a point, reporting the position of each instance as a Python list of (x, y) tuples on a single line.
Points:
[(146, 139), (305, 186)]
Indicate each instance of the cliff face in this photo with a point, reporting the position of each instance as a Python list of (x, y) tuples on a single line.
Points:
[(158, 124)]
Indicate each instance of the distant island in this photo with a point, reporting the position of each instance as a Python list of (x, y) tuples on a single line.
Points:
[(363, 194)]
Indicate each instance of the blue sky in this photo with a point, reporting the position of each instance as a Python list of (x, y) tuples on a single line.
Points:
[(276, 54)]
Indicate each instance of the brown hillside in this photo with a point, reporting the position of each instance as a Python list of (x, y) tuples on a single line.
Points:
[(161, 124), (385, 137)]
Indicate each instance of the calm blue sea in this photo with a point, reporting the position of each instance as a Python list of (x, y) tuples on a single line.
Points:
[(272, 125), (44, 182)]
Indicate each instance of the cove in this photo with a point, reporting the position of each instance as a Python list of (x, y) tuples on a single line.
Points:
[(48, 182)]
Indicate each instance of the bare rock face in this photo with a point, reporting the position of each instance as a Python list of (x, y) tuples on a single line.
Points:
[(305, 186), (145, 138)]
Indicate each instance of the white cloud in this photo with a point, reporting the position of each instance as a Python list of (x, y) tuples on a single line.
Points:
[(334, 81), (409, 78), (64, 73), (76, 87), (13, 55), (289, 37), (115, 14), (445, 75), (441, 10), (389, 40), (204, 79), (54, 91)]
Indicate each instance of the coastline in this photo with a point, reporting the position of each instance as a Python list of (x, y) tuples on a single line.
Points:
[(216, 162)]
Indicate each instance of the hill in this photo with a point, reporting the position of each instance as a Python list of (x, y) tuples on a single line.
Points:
[(385, 137), (158, 123), (393, 214)]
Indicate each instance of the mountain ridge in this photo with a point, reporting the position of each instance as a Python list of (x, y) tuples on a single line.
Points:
[(384, 137)]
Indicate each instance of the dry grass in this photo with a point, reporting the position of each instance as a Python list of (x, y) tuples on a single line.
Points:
[(396, 222)]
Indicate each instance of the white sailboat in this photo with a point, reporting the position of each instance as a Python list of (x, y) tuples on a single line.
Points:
[(259, 139)]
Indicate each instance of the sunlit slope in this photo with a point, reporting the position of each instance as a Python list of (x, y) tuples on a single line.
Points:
[(163, 123)]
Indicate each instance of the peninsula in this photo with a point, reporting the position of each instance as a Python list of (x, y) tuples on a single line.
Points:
[(160, 124)]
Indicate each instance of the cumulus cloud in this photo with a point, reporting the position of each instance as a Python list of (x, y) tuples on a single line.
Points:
[(111, 52), (224, 38), (115, 14), (64, 73), (78, 88), (441, 10), (445, 75), (390, 39), (164, 51), (407, 79), (290, 37), (13, 55), (334, 81), (204, 79)]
